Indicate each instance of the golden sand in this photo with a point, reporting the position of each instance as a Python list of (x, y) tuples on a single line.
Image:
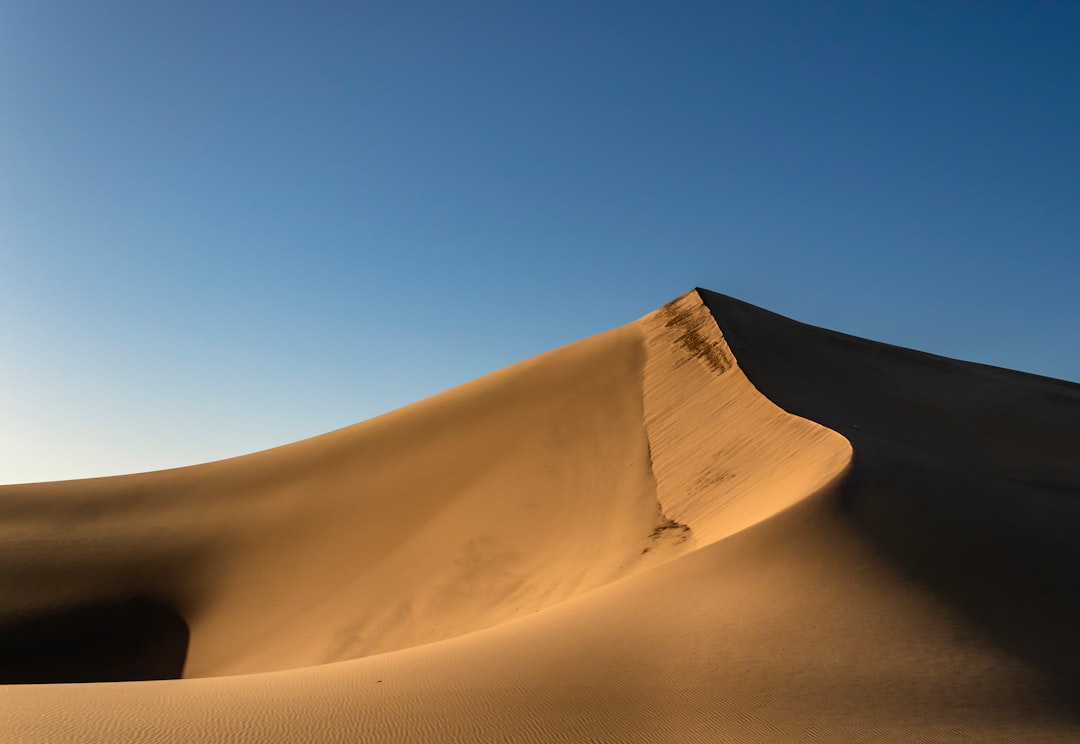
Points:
[(620, 540)]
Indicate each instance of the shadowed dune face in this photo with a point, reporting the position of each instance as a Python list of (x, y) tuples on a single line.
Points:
[(966, 476), (626, 539)]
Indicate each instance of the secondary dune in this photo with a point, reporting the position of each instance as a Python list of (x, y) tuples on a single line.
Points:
[(626, 539)]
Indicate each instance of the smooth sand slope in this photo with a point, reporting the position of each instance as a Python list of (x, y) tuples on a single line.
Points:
[(620, 540)]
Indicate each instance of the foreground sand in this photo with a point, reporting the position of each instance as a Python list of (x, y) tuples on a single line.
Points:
[(620, 540)]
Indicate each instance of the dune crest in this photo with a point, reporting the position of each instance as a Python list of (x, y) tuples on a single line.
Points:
[(724, 456)]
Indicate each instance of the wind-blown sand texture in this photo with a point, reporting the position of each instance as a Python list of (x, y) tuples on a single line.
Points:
[(713, 524)]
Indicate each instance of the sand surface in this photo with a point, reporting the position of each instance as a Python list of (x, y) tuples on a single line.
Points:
[(712, 524)]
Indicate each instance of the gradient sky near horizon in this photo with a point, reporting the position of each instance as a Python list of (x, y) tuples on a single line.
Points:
[(225, 226)]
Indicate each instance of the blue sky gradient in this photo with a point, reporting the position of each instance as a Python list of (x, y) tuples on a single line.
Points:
[(225, 226)]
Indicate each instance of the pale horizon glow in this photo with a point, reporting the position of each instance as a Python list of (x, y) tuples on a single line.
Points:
[(226, 227)]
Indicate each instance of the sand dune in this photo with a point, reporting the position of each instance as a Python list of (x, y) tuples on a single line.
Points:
[(712, 524)]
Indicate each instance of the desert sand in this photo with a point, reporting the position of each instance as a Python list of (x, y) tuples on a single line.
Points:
[(713, 524)]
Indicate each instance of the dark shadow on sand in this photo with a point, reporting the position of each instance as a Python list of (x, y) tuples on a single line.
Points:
[(131, 639)]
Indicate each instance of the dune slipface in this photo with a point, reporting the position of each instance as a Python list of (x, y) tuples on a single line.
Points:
[(712, 524)]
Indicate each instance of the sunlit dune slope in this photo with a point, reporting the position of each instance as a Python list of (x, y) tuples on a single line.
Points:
[(620, 540), (488, 502)]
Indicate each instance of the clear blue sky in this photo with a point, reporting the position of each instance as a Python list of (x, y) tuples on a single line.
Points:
[(229, 225)]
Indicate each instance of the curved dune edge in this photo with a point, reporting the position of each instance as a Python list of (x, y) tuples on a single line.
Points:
[(621, 540), (724, 456)]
